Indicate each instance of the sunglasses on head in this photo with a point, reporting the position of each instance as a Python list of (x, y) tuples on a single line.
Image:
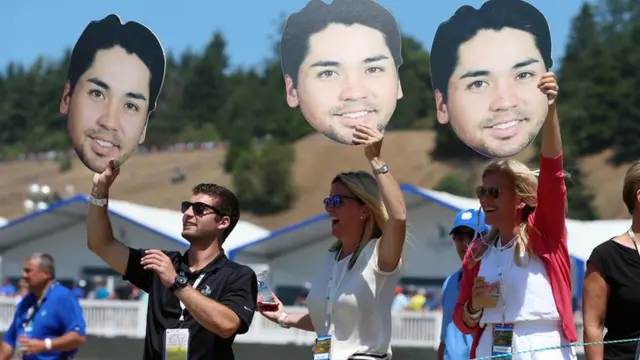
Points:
[(491, 191), (198, 207), (336, 200)]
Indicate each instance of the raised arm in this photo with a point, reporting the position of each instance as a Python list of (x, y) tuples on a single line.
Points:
[(100, 238), (391, 244), (550, 214)]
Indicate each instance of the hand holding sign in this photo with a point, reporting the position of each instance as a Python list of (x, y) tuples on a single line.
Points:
[(340, 63), (486, 64), (549, 86), (115, 77)]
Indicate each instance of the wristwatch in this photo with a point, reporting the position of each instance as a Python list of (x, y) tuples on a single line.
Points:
[(180, 282), (48, 344), (381, 170)]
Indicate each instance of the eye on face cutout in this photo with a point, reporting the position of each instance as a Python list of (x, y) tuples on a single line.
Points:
[(114, 78), (486, 65), (340, 61)]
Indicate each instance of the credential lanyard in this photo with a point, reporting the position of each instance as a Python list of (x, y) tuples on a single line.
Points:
[(332, 291), (195, 286), (503, 274)]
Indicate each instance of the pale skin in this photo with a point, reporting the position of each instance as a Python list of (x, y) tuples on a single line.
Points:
[(391, 243), (211, 314), (551, 147)]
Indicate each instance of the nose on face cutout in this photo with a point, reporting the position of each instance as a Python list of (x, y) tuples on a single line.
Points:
[(114, 78), (340, 62), (486, 65)]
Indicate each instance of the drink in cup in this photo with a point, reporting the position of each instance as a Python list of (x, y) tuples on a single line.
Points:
[(266, 301)]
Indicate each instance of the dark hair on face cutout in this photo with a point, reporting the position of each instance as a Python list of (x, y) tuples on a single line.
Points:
[(318, 15), (133, 37), (468, 21)]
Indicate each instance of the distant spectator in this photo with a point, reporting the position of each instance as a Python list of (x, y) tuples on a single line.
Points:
[(100, 291), (401, 301), (78, 289), (417, 301), (7, 288)]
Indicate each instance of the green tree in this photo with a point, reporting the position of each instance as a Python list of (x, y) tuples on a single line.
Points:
[(453, 184), (262, 178)]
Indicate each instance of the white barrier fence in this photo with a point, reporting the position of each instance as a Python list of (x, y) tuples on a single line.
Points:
[(128, 318)]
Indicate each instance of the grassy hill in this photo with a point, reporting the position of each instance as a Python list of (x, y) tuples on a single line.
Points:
[(146, 178)]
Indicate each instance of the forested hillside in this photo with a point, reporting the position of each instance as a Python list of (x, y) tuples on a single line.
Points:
[(204, 100)]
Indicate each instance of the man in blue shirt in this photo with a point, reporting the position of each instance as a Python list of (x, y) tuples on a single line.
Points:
[(453, 344), (48, 323)]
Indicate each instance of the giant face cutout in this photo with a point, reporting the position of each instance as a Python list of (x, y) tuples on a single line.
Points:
[(340, 63), (486, 65), (114, 79)]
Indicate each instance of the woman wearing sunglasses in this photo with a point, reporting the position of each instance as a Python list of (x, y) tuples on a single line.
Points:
[(349, 303), (515, 292)]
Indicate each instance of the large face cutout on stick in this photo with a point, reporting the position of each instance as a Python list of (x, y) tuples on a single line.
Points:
[(114, 79), (340, 62), (486, 64)]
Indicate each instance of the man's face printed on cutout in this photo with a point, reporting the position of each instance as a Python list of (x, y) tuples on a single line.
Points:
[(487, 73), (340, 69), (114, 80)]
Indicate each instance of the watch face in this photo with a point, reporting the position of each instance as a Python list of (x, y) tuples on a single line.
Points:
[(181, 280)]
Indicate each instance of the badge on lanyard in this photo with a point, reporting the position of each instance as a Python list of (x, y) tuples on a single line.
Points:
[(176, 344), (322, 349), (502, 340)]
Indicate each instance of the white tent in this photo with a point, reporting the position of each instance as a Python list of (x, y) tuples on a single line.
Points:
[(60, 230)]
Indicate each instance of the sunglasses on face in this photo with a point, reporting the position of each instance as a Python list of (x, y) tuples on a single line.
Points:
[(198, 207), (463, 235), (336, 200), (491, 191)]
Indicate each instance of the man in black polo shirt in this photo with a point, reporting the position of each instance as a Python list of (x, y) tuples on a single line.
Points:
[(198, 301)]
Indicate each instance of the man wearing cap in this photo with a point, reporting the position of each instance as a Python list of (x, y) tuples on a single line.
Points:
[(454, 344)]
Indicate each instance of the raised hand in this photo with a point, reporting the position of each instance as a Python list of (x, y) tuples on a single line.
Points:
[(371, 139), (549, 86), (102, 182)]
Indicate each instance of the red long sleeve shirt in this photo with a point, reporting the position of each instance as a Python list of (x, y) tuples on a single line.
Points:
[(549, 243)]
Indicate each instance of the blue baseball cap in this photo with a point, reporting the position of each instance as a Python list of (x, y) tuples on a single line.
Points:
[(469, 218)]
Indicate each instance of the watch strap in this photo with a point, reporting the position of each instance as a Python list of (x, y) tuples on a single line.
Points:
[(102, 202), (381, 170), (48, 344)]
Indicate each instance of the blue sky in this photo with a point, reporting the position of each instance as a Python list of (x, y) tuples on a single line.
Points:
[(29, 29)]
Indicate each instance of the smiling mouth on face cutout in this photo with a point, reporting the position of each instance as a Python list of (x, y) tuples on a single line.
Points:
[(334, 221), (356, 117), (103, 147), (506, 129)]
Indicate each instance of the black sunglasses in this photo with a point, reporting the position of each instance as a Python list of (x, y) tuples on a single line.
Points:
[(492, 191), (336, 200), (198, 208), (463, 234)]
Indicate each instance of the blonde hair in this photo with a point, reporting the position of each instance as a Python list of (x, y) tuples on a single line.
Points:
[(365, 187), (631, 186), (525, 182)]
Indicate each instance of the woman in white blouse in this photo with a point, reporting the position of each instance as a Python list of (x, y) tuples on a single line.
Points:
[(350, 299)]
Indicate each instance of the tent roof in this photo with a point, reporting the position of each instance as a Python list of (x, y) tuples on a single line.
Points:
[(583, 236), (68, 213)]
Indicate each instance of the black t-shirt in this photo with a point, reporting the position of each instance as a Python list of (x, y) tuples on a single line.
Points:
[(225, 281), (620, 268)]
